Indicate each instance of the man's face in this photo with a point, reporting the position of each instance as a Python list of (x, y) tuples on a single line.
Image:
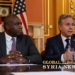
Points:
[(67, 27), (16, 27)]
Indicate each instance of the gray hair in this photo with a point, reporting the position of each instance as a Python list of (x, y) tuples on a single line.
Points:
[(64, 16)]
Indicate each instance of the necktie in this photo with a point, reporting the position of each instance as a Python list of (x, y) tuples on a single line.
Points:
[(13, 44), (13, 47), (68, 43)]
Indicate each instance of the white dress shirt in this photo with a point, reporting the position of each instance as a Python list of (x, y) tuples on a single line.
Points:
[(8, 42), (64, 43)]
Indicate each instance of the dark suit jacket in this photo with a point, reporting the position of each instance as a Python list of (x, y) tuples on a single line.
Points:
[(24, 45), (55, 48)]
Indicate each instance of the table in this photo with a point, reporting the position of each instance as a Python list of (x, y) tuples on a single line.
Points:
[(34, 69)]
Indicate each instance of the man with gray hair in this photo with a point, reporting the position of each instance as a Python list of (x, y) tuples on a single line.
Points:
[(59, 47)]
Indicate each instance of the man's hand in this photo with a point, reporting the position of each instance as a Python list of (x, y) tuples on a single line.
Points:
[(17, 56), (14, 54), (6, 59), (74, 55), (68, 55)]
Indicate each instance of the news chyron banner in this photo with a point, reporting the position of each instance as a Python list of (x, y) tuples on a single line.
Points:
[(52, 65)]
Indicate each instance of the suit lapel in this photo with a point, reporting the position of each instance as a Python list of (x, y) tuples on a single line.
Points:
[(3, 44), (18, 43), (73, 42), (60, 43)]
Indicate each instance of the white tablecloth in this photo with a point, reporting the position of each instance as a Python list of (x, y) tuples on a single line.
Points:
[(45, 73)]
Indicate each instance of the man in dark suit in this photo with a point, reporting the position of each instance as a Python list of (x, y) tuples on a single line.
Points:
[(25, 52), (56, 46)]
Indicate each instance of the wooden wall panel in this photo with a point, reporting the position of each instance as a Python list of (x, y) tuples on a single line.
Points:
[(34, 10)]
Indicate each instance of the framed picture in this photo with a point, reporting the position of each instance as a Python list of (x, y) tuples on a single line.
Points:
[(5, 11)]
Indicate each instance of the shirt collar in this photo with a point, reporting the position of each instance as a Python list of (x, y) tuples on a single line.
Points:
[(8, 37), (64, 38)]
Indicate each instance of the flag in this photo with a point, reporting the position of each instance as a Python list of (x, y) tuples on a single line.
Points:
[(1, 29), (20, 11)]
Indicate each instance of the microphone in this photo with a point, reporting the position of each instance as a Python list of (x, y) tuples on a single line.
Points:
[(72, 49), (73, 57)]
